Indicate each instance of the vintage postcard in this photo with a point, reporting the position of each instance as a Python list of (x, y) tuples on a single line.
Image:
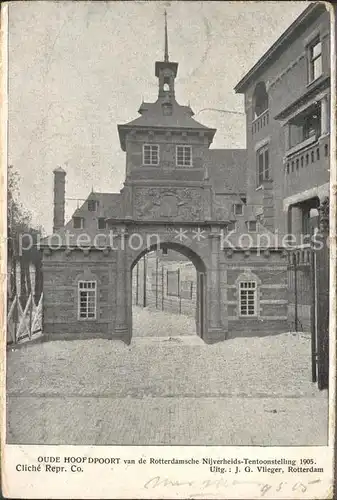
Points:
[(168, 249)]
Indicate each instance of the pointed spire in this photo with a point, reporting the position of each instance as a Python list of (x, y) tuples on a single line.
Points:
[(166, 56)]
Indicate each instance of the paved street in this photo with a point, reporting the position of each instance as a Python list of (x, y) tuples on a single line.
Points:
[(165, 390)]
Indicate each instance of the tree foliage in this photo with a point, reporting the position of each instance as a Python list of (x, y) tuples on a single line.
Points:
[(20, 232)]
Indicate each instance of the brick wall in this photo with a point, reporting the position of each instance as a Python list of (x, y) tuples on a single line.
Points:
[(61, 273), (270, 275)]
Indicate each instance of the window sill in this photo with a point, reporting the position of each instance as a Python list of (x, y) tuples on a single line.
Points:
[(316, 81)]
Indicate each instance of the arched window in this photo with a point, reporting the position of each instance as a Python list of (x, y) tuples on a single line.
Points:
[(260, 100)]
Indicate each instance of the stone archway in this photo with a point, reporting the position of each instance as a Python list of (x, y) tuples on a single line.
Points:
[(201, 281), (203, 253)]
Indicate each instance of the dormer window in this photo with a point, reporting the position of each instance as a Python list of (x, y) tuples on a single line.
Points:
[(238, 209), (184, 156), (252, 226), (92, 205), (150, 154), (78, 222), (167, 108)]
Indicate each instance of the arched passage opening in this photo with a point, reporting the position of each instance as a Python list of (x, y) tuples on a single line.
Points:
[(168, 288)]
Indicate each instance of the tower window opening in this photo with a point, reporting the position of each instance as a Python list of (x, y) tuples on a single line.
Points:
[(166, 87), (167, 109), (150, 154), (184, 156)]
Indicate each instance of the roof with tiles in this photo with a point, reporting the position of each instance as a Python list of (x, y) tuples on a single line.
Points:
[(153, 116), (107, 204)]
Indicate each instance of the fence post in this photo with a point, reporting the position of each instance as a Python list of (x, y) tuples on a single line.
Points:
[(313, 318), (162, 287), (30, 315), (157, 264), (179, 294), (323, 302), (144, 281), (137, 284), (295, 292), (16, 316)]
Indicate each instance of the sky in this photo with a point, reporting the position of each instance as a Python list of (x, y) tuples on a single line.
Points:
[(77, 69)]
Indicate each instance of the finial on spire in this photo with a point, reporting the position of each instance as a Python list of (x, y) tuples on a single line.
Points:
[(166, 56)]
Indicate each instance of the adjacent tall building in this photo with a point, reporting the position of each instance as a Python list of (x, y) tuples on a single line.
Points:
[(287, 105)]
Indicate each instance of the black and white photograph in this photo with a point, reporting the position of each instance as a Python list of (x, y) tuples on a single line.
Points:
[(169, 271)]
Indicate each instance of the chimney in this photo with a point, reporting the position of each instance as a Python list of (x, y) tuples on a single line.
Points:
[(59, 198)]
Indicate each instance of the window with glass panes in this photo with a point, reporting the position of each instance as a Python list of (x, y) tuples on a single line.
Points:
[(248, 294), (101, 223), (262, 165), (87, 299), (315, 60), (150, 154), (92, 205), (78, 222), (184, 156)]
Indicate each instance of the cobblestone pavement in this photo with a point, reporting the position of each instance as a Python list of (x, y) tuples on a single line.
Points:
[(165, 390)]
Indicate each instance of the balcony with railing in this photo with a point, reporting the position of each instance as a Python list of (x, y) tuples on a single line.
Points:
[(307, 165), (260, 122)]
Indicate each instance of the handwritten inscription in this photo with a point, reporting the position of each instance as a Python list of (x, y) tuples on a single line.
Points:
[(216, 484)]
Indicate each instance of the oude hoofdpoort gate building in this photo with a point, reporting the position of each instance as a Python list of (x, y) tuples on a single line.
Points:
[(169, 201)]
